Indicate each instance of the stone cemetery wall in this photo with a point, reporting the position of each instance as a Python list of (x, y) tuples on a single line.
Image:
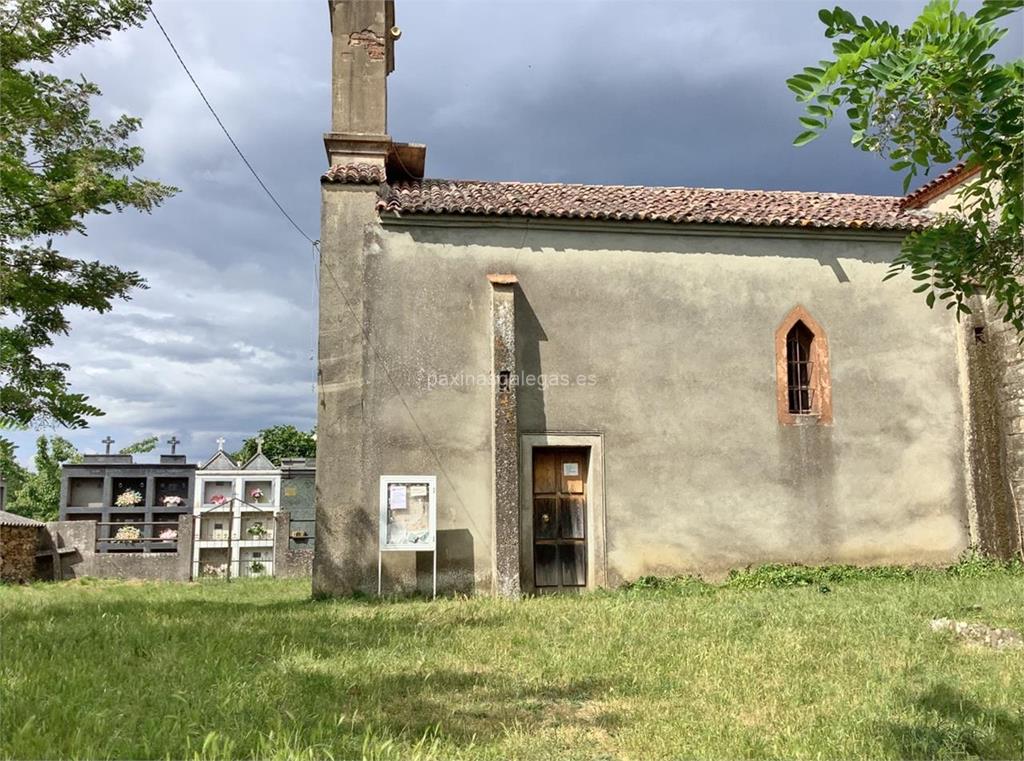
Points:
[(289, 562), (17, 553), (74, 543)]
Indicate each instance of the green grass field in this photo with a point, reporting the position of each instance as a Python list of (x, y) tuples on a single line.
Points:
[(94, 669)]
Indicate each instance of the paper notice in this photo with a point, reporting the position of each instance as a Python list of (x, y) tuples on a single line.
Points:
[(396, 497)]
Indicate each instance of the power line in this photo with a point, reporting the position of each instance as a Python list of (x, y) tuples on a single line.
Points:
[(226, 133)]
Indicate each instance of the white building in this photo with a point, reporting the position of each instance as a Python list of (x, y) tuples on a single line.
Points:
[(235, 508)]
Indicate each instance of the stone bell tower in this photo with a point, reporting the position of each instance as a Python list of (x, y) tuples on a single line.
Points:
[(361, 156), (363, 34)]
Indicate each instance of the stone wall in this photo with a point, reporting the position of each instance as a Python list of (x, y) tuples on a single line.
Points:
[(995, 363), (17, 553), (75, 544), (289, 562)]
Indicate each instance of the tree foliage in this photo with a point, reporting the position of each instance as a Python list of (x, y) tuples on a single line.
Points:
[(13, 473), (928, 95), (280, 441), (39, 494), (58, 164), (141, 446)]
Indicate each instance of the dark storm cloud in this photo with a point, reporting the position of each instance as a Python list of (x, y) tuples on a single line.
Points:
[(614, 92)]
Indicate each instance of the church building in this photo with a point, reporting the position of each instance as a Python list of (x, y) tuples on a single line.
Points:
[(607, 382)]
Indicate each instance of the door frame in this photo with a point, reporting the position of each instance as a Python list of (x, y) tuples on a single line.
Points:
[(597, 554)]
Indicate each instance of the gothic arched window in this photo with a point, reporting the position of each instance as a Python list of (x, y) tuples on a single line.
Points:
[(801, 359)]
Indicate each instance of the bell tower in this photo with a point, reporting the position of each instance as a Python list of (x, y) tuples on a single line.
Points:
[(363, 35), (362, 155)]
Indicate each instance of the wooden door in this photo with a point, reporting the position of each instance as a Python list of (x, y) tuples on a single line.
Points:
[(559, 517)]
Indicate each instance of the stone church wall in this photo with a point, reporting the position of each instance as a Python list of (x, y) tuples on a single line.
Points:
[(677, 330), (995, 366)]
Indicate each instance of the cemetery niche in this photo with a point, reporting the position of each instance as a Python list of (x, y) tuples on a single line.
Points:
[(236, 516), (120, 518), (85, 492), (135, 505)]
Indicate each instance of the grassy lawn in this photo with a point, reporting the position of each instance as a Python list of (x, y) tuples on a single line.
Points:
[(96, 669)]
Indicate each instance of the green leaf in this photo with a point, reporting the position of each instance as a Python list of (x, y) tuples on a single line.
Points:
[(813, 123), (799, 86), (805, 137)]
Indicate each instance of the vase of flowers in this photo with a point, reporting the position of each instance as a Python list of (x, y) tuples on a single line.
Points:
[(256, 530), (215, 569), (256, 495), (127, 534), (172, 500), (168, 535), (218, 499), (128, 498), (256, 567)]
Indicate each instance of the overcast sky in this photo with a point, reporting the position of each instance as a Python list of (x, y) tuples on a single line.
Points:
[(222, 343)]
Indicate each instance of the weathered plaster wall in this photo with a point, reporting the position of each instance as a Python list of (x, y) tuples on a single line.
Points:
[(672, 337), (677, 333), (345, 518)]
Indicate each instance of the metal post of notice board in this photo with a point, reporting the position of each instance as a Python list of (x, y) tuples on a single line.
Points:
[(408, 521)]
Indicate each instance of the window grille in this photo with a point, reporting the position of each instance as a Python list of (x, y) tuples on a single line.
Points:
[(800, 369)]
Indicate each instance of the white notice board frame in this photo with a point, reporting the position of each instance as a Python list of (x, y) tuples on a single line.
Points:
[(382, 541)]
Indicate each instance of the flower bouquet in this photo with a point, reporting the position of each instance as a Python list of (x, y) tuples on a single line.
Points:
[(257, 529), (127, 534), (256, 494), (256, 567), (214, 569), (218, 499), (128, 498), (168, 535), (173, 501)]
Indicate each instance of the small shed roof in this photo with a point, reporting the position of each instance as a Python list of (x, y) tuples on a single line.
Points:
[(12, 519)]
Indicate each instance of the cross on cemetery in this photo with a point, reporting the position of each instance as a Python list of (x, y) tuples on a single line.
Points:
[(220, 444), (173, 441), (108, 441), (259, 444)]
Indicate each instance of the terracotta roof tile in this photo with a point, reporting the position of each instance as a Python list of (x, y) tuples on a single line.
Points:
[(355, 174), (676, 205), (952, 177)]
